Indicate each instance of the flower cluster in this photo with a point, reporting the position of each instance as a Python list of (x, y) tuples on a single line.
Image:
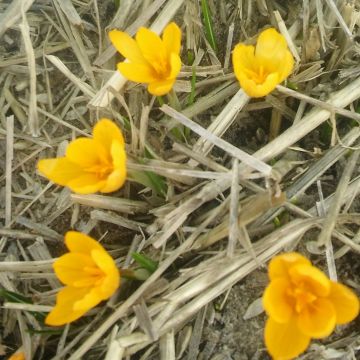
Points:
[(302, 303), (156, 61), (90, 275), (90, 165)]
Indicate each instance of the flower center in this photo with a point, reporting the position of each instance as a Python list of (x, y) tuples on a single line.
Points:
[(102, 171), (302, 297), (96, 277), (258, 76)]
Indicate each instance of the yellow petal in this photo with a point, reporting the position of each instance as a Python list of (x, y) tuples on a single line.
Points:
[(114, 181), (276, 302), (243, 58), (90, 300), (153, 49), (118, 156), (317, 320), (105, 132), (69, 268), (126, 46), (60, 170), (255, 90), (86, 153), (17, 356), (313, 278), (175, 64), (172, 38), (63, 312), (112, 276), (160, 88), (80, 243), (86, 184), (287, 66), (270, 50), (137, 72), (279, 265), (118, 176), (284, 341), (345, 302)]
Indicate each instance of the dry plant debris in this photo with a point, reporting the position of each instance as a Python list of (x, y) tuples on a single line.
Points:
[(218, 183)]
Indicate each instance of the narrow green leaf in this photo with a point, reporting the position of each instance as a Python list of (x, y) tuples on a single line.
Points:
[(193, 83), (145, 262), (149, 179), (160, 100), (13, 297), (190, 57), (208, 23)]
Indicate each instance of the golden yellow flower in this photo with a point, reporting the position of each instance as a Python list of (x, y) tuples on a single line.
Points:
[(302, 303), (152, 60), (90, 275), (90, 165), (259, 69), (20, 355)]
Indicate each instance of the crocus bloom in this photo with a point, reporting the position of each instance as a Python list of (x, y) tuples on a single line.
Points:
[(302, 303), (152, 60), (20, 355), (90, 165), (90, 276), (259, 69)]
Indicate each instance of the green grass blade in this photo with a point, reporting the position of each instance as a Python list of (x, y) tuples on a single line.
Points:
[(145, 262), (208, 23)]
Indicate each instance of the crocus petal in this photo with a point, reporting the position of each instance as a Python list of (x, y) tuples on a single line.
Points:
[(279, 265), (59, 170), (20, 355), (175, 64), (86, 153), (137, 72), (270, 50), (87, 302), (105, 132), (255, 90), (276, 301), (80, 243), (114, 181), (63, 312), (112, 279), (316, 281), (160, 88), (317, 320), (87, 183), (152, 48), (126, 46), (287, 66), (284, 341), (345, 302), (172, 38), (118, 176), (243, 58), (69, 267), (118, 156)]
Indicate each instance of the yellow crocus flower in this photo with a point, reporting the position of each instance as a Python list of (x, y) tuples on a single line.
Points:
[(259, 69), (90, 275), (152, 60), (90, 165), (302, 303)]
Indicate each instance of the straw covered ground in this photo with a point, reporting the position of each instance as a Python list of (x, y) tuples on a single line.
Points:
[(218, 183)]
